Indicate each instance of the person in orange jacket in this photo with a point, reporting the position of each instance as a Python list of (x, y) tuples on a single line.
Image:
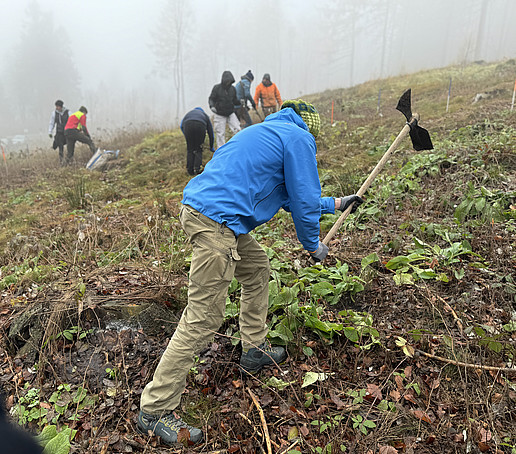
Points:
[(268, 95), (76, 130)]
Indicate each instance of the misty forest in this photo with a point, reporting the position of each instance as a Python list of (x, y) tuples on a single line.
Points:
[(402, 339)]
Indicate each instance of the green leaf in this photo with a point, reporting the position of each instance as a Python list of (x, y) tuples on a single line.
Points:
[(60, 444), (510, 327), (312, 377), (308, 351), (403, 278), (351, 333), (47, 434), (277, 383), (397, 262), (371, 258)]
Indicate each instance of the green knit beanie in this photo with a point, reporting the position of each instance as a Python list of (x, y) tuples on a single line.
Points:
[(307, 112)]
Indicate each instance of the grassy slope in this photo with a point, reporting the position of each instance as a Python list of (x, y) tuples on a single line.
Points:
[(128, 220)]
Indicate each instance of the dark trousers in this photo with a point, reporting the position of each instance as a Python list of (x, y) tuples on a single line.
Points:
[(243, 114), (60, 142), (72, 136), (195, 133)]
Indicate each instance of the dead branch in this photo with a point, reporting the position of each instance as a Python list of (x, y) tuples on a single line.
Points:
[(264, 423), (509, 370)]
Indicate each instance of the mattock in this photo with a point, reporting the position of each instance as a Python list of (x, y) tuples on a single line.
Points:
[(420, 141)]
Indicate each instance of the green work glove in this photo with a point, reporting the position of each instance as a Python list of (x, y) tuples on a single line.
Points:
[(345, 202), (320, 253)]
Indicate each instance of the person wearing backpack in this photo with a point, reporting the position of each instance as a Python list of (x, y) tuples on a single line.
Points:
[(243, 92)]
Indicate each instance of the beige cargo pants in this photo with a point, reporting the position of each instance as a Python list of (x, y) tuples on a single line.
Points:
[(217, 256)]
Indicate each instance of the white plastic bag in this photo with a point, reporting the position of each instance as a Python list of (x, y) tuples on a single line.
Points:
[(99, 160)]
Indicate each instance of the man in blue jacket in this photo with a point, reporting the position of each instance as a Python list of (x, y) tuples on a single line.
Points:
[(265, 167), (194, 125)]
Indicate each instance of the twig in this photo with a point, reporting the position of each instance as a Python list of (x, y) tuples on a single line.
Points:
[(264, 423), (290, 447), (448, 307), (510, 370)]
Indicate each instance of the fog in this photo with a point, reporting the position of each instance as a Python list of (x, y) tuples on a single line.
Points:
[(136, 63)]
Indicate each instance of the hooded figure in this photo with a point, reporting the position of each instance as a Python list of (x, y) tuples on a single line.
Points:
[(222, 102), (268, 95), (243, 92)]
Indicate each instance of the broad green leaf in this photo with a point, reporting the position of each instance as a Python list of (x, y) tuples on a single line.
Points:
[(277, 383), (403, 278), (47, 434), (371, 258), (397, 262), (312, 377)]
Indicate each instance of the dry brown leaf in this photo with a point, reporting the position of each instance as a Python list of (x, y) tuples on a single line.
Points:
[(485, 435), (395, 394), (408, 371), (422, 416), (484, 447), (399, 383), (410, 397), (183, 436), (374, 391), (388, 450), (336, 400)]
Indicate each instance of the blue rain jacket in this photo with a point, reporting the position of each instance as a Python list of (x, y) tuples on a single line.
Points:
[(263, 168)]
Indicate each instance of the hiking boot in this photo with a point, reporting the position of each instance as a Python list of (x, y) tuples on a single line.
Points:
[(264, 355), (167, 427)]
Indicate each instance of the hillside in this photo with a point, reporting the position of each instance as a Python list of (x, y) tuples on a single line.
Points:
[(403, 340)]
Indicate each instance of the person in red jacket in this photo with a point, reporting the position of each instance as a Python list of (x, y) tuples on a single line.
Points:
[(76, 130), (268, 95)]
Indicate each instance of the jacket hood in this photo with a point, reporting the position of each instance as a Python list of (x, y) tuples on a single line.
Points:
[(227, 78), (288, 114)]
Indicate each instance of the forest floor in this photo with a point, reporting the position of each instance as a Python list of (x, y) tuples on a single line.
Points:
[(402, 341)]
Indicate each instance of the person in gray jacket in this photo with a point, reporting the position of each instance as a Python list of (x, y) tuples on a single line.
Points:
[(58, 120)]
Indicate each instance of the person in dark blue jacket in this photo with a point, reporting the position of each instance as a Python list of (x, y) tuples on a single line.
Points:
[(194, 126), (243, 93), (263, 168)]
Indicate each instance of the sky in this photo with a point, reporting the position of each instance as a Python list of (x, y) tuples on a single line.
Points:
[(306, 46)]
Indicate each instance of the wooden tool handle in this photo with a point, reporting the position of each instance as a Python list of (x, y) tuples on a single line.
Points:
[(370, 178)]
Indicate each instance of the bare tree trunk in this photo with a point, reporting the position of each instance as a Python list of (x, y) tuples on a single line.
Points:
[(481, 30), (384, 40)]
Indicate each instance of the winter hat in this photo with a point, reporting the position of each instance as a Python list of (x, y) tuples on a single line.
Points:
[(249, 76), (307, 112), (267, 76)]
